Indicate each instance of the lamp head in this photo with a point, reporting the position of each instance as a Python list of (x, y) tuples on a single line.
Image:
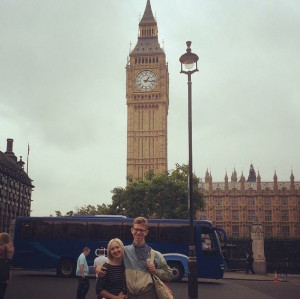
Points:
[(188, 59)]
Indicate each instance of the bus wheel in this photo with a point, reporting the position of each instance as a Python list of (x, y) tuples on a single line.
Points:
[(66, 268), (177, 270)]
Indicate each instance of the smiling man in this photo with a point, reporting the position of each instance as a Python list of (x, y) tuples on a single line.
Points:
[(137, 266)]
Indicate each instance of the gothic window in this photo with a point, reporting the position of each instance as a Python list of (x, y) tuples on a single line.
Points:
[(268, 215), (269, 231), (251, 215), (283, 201), (267, 201), (203, 215), (218, 201), (234, 201), (235, 231), (285, 231), (219, 215), (235, 215), (285, 215), (251, 201)]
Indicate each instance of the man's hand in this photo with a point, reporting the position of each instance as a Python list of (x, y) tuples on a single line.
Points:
[(152, 269), (101, 271)]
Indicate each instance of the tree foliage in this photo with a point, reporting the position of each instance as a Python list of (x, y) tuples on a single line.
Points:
[(87, 210), (161, 196)]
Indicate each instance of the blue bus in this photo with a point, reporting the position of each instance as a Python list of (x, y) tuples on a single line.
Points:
[(56, 242)]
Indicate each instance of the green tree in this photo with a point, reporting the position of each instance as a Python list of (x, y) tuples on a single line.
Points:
[(87, 210), (163, 195)]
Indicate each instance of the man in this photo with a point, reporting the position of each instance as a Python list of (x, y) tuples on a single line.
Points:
[(100, 260), (249, 263), (139, 282), (204, 245), (82, 272)]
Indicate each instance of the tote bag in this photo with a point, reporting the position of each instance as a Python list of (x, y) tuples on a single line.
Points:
[(162, 290)]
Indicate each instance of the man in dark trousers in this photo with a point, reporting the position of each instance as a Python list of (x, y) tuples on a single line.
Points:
[(82, 272), (249, 263)]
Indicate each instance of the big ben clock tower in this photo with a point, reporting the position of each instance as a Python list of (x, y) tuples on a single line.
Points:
[(147, 94)]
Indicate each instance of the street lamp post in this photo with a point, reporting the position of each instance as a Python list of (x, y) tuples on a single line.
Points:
[(188, 60)]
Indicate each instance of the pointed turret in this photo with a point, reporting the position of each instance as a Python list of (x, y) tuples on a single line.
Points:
[(226, 182), (258, 181), (148, 34), (292, 177), (242, 180), (252, 174), (148, 18), (275, 181), (292, 181), (234, 176), (207, 176)]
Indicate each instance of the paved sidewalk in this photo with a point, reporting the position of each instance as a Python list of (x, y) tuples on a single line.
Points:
[(261, 277)]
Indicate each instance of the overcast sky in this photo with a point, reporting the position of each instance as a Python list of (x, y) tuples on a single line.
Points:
[(62, 90)]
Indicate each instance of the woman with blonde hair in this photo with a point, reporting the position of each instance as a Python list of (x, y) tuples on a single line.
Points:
[(112, 285), (6, 255)]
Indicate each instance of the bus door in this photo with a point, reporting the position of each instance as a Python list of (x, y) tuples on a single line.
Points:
[(209, 257)]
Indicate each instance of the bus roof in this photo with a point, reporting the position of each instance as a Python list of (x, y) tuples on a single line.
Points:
[(113, 218)]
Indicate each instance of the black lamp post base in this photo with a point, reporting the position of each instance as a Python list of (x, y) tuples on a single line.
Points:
[(193, 274)]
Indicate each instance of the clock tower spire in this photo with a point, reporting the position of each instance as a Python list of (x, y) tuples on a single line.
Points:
[(147, 94)]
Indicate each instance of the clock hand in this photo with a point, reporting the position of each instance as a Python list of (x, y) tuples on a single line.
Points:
[(146, 79)]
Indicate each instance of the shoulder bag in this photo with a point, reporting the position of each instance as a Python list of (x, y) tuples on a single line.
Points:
[(162, 290)]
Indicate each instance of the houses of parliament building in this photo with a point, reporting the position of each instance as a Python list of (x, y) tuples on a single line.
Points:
[(236, 204)]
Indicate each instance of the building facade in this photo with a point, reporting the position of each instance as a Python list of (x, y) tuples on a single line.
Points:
[(236, 204), (147, 94), (15, 188)]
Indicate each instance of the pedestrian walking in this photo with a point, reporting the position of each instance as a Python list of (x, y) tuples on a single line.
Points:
[(249, 263), (82, 272), (100, 260)]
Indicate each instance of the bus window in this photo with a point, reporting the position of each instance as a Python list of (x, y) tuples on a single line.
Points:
[(27, 229), (69, 230), (59, 230), (126, 234), (209, 241), (103, 230), (75, 230), (169, 232), (206, 243), (153, 232), (43, 229)]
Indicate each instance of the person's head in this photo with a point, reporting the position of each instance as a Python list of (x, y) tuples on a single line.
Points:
[(86, 251), (139, 230), (4, 239), (115, 249)]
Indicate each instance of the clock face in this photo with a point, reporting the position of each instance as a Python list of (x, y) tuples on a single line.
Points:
[(145, 80)]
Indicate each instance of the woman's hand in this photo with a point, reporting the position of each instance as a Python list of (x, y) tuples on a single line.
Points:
[(121, 296)]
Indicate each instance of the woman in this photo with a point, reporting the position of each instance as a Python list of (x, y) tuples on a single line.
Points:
[(6, 251), (112, 285)]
